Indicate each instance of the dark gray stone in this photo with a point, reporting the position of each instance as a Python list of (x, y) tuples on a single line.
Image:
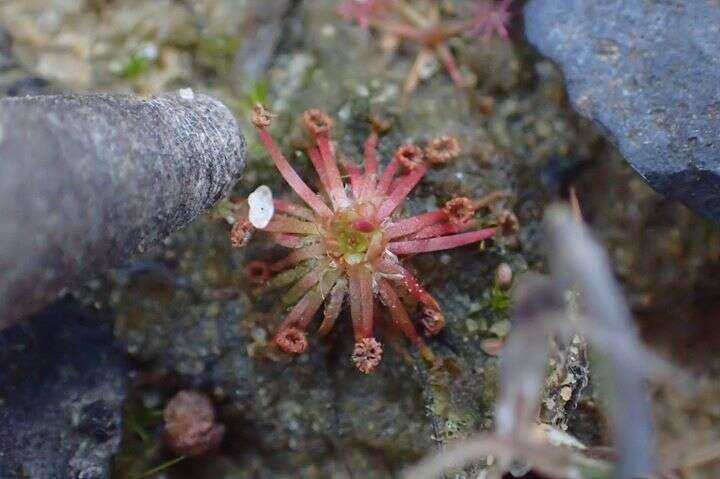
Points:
[(87, 181), (28, 86), (62, 386), (648, 72)]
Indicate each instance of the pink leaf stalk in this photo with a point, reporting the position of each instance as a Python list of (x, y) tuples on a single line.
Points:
[(345, 244), (362, 11), (491, 17)]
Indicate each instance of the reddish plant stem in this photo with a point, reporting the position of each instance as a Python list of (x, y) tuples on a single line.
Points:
[(405, 185), (291, 176), (441, 243), (413, 224)]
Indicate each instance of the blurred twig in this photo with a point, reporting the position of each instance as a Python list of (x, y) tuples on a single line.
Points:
[(579, 263), (580, 297)]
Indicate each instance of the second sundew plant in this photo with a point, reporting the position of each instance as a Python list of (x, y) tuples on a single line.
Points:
[(421, 22), (347, 241)]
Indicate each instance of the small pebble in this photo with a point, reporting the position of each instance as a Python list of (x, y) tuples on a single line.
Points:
[(190, 427), (471, 325), (501, 328), (492, 346), (503, 275), (566, 393)]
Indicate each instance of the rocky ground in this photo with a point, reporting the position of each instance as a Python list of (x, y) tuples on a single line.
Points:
[(187, 318)]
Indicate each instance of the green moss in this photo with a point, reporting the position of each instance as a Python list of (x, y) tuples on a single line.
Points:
[(141, 447), (458, 424), (135, 67), (499, 300)]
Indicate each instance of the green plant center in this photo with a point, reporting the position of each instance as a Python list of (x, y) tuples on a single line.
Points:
[(350, 241)]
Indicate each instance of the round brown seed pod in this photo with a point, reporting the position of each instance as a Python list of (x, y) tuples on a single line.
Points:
[(367, 354), (317, 121), (442, 149), (261, 117), (459, 210), (409, 156), (241, 233)]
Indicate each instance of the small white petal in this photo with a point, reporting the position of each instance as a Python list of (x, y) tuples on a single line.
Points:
[(261, 206)]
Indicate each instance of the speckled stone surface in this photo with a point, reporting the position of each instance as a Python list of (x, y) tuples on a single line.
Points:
[(87, 181), (648, 72), (62, 385)]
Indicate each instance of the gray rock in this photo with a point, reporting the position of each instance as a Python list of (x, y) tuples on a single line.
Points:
[(648, 72), (62, 385), (86, 181)]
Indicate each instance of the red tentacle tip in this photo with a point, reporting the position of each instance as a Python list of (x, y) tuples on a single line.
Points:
[(241, 233), (409, 156), (459, 210), (367, 354), (442, 149), (258, 272), (433, 321), (317, 121), (292, 340), (261, 117)]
